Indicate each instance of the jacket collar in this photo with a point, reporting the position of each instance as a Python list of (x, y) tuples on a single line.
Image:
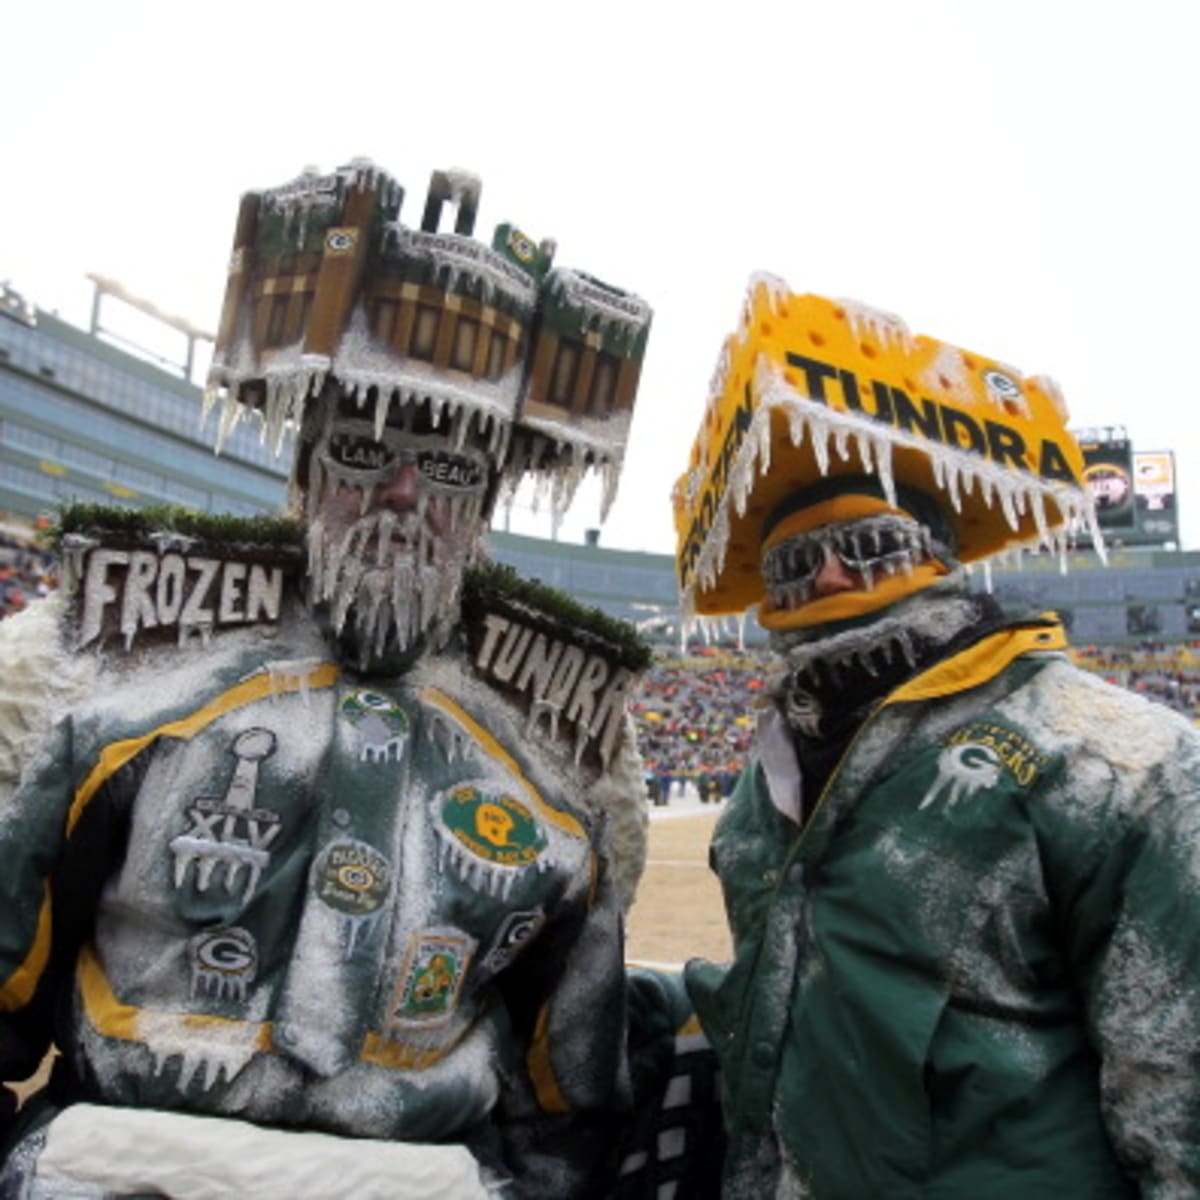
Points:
[(983, 660)]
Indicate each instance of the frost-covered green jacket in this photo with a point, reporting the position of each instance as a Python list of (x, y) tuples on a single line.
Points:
[(255, 884), (976, 971)]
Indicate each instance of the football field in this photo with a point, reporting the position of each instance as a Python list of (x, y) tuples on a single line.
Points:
[(678, 913)]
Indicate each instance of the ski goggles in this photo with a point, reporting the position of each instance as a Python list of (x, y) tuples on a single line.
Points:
[(870, 547), (352, 453)]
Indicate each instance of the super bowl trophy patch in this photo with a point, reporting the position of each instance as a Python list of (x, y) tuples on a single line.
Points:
[(228, 831), (489, 837), (354, 880), (380, 724), (435, 964)]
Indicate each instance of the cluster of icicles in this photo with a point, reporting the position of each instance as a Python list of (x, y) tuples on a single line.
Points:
[(557, 465), (456, 258), (870, 657), (289, 390), (311, 191), (603, 309)]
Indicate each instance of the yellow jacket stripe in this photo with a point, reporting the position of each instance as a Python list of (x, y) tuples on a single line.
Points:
[(258, 687)]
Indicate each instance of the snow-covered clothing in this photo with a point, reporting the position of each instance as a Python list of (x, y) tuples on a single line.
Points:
[(973, 971), (247, 881)]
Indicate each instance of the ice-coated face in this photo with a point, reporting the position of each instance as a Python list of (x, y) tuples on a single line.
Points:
[(393, 521)]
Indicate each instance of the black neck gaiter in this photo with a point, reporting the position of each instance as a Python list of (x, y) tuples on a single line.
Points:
[(826, 698)]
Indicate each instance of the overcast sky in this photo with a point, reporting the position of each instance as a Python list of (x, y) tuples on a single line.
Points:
[(1016, 178)]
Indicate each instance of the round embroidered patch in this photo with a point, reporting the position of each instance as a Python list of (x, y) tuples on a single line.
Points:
[(380, 723), (491, 825), (353, 878)]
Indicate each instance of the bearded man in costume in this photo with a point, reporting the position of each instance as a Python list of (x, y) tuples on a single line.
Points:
[(963, 876), (316, 877)]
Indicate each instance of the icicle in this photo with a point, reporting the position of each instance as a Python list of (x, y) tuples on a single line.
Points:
[(883, 461), (987, 576), (863, 444), (952, 480), (385, 526), (282, 672), (969, 474), (796, 426), (885, 327), (231, 414), (763, 444), (1038, 504), (383, 402), (1006, 503), (74, 548), (366, 498), (460, 427), (819, 433)]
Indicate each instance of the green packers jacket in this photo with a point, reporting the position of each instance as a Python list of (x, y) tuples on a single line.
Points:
[(973, 973), (252, 883)]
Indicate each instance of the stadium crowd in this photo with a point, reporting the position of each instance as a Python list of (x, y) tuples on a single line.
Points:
[(26, 572), (1167, 673), (695, 718), (696, 712)]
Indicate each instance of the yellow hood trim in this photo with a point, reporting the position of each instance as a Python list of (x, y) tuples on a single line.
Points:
[(980, 662)]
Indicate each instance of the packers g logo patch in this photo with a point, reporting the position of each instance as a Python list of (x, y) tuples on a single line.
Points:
[(380, 724), (962, 771), (977, 757), (223, 962)]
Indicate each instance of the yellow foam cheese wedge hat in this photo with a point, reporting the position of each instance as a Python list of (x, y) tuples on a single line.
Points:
[(809, 388)]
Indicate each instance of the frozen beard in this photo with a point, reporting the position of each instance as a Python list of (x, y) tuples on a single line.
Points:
[(392, 525)]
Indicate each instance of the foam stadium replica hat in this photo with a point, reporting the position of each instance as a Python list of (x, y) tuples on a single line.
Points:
[(538, 363), (809, 390)]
